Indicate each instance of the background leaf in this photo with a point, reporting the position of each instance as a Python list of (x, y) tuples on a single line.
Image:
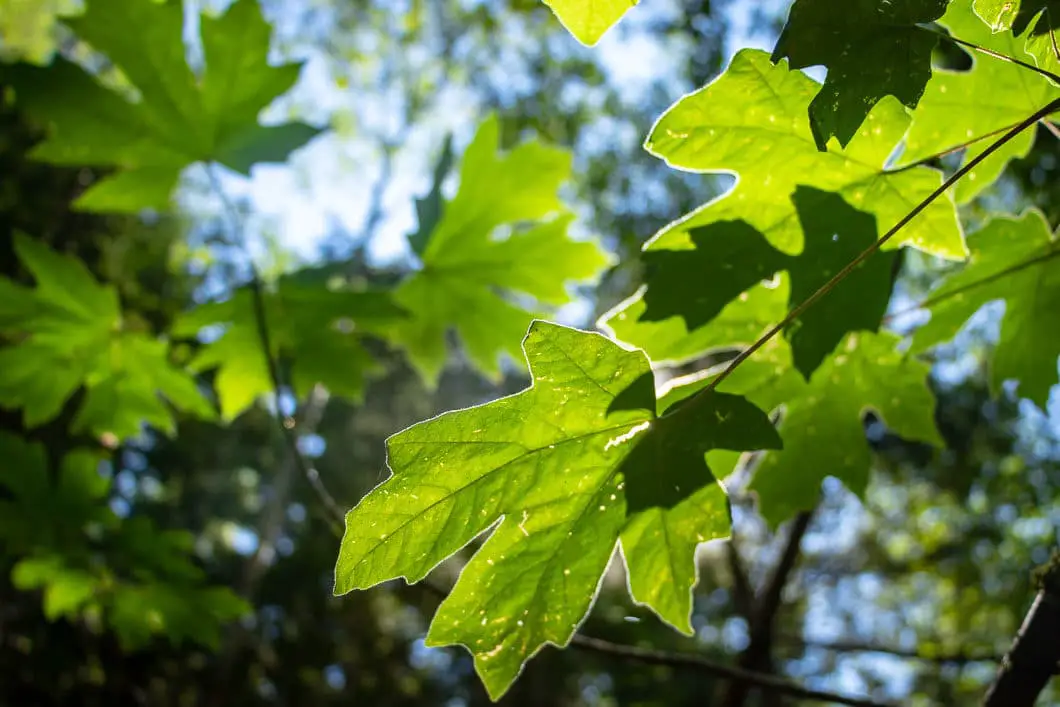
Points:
[(179, 118), (470, 276)]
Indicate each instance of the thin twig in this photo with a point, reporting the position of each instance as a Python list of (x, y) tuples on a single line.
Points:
[(951, 150), (1051, 127), (334, 515), (706, 665), (868, 252), (999, 275), (865, 647), (995, 54)]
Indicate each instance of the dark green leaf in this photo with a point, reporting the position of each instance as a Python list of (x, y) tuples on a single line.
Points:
[(71, 337), (731, 257), (872, 49)]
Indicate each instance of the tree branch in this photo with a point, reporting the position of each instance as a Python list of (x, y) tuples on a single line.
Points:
[(275, 509), (705, 665), (1031, 662), (742, 592), (334, 515), (865, 647), (758, 655)]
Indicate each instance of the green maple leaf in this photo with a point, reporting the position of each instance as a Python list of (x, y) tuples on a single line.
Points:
[(822, 428), (27, 29), (568, 467), (731, 257), (429, 209), (751, 121), (318, 329), (822, 421), (1034, 21), (179, 119), (469, 277), (872, 49), (46, 521), (1014, 260), (42, 510), (992, 97), (589, 20), (69, 335)]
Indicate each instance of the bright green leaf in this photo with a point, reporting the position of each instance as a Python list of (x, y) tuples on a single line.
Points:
[(822, 421), (179, 119), (588, 20), (872, 49), (1014, 260), (320, 330), (72, 337), (66, 590), (1035, 22), (992, 97), (822, 428), (751, 121), (27, 28), (470, 277), (569, 464)]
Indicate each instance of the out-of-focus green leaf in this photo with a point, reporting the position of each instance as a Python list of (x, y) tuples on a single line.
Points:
[(429, 208), (27, 28), (571, 464), (179, 118), (319, 330), (144, 580), (71, 336), (470, 276)]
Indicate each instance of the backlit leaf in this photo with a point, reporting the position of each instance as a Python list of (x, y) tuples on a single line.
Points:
[(731, 257), (992, 97), (751, 121), (566, 467), (588, 20)]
